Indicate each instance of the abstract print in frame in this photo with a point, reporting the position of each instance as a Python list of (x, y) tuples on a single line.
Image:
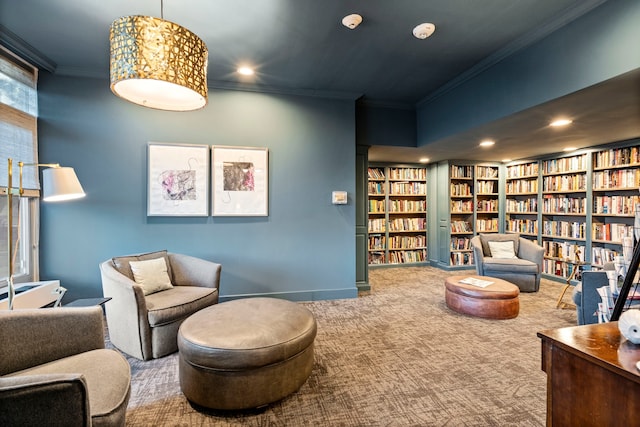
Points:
[(240, 177), (178, 180)]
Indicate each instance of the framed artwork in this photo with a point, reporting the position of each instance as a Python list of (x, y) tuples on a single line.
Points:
[(178, 180), (240, 181)]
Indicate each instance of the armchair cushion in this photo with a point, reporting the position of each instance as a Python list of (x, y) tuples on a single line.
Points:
[(486, 238), (503, 250), (516, 266), (178, 303), (121, 263), (151, 274)]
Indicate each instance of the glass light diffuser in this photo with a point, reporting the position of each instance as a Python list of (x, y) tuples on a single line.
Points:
[(158, 64)]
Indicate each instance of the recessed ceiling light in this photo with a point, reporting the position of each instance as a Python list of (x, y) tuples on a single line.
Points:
[(424, 160), (506, 160), (245, 71), (423, 31), (570, 149), (561, 122), (487, 143)]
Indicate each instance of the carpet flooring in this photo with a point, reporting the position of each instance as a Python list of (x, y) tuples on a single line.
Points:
[(394, 356)]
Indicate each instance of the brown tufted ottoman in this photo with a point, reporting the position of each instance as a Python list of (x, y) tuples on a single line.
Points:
[(497, 301), (245, 353)]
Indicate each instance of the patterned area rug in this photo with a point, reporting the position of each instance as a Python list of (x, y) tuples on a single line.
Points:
[(395, 356)]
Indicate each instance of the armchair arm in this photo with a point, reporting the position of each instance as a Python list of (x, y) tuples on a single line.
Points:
[(32, 337), (531, 252), (59, 399), (127, 312), (191, 271), (478, 255)]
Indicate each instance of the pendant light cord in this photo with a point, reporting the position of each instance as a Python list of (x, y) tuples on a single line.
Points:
[(162, 9)]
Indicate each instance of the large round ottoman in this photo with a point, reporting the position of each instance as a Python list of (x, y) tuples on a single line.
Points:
[(245, 353), (499, 300)]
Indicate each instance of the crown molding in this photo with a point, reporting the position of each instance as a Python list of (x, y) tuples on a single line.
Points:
[(15, 44)]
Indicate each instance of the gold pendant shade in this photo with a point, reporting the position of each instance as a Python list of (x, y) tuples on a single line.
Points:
[(158, 64)]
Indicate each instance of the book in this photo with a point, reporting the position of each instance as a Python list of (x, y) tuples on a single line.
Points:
[(476, 282)]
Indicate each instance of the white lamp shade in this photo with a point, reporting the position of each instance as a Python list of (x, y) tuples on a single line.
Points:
[(60, 184)]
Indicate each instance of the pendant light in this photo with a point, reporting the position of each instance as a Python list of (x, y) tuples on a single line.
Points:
[(157, 63)]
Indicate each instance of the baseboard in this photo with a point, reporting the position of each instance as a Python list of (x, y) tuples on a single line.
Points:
[(319, 295)]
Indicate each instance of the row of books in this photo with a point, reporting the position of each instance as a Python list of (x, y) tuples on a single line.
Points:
[(461, 227), (570, 229), (460, 189), (377, 225), (407, 205), (527, 226), (408, 224), (566, 164), (616, 179), (575, 182), (529, 205), (522, 186), (377, 242), (616, 157), (376, 188), (525, 169), (408, 173), (376, 206), (407, 242), (600, 256), (460, 244), (488, 205), (462, 206), (487, 172), (487, 187), (461, 171), (413, 188), (555, 204), (487, 224), (406, 257), (375, 173), (558, 268), (611, 232), (565, 250), (616, 205), (461, 258)]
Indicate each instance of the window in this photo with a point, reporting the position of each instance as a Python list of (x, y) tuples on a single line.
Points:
[(18, 141)]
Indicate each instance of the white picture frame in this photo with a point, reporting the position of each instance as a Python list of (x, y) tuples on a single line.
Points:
[(240, 181), (178, 179)]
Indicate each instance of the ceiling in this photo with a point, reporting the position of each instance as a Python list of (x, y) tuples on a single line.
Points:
[(301, 47)]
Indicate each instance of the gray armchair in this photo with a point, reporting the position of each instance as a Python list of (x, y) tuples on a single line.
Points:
[(55, 369), (523, 271), (146, 326)]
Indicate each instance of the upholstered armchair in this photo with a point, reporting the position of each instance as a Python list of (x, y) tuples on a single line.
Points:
[(521, 265), (144, 322), (55, 369)]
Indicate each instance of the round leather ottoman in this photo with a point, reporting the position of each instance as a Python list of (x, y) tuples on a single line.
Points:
[(499, 300), (245, 353)]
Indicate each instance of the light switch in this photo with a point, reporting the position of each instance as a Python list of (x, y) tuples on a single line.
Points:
[(339, 197)]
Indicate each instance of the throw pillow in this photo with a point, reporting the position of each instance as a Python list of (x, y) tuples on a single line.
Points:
[(502, 250), (151, 274)]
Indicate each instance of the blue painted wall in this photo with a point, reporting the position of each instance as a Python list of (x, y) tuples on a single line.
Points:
[(382, 125), (304, 249), (598, 46)]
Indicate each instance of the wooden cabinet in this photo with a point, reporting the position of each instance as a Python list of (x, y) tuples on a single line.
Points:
[(397, 215)]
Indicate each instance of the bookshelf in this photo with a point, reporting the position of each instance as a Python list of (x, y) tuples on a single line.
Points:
[(461, 214), (397, 215), (521, 193), (564, 214), (615, 183), (486, 199)]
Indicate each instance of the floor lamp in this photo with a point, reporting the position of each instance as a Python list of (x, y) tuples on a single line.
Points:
[(58, 184)]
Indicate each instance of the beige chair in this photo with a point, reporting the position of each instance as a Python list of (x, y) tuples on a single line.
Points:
[(146, 326), (55, 369), (523, 270)]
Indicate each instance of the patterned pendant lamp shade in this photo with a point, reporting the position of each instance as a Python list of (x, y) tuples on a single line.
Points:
[(158, 64)]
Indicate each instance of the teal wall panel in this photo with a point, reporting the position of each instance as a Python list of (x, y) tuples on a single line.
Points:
[(311, 145)]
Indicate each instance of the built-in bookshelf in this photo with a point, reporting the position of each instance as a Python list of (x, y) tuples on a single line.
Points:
[(486, 199), (521, 190), (461, 214), (615, 183), (397, 215), (564, 214)]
